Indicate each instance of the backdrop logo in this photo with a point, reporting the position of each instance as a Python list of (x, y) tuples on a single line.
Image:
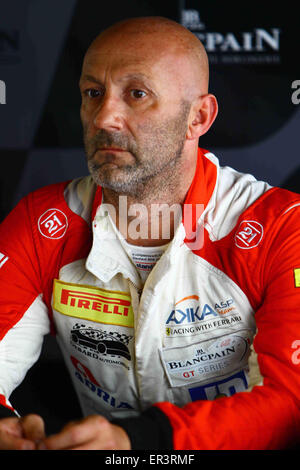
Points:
[(259, 45), (191, 20)]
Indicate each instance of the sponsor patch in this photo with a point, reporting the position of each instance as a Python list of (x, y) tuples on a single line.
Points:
[(84, 375), (53, 224), (92, 303), (209, 359), (249, 234), (222, 388), (297, 277), (190, 316), (110, 347)]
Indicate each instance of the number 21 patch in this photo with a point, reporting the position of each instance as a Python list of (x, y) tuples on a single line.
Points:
[(249, 234), (53, 224)]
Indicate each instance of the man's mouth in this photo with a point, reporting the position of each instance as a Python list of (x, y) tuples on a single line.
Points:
[(111, 149)]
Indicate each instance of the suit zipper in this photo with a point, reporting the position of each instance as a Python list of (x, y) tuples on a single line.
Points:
[(136, 288)]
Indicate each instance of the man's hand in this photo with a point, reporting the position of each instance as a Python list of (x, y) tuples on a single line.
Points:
[(91, 433), (21, 433)]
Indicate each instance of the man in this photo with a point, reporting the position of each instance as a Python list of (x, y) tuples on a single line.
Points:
[(183, 339)]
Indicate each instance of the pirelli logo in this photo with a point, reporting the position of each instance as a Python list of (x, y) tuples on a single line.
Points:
[(93, 303)]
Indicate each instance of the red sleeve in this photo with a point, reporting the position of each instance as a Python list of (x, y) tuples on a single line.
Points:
[(268, 417), (23, 315), (37, 237), (20, 280)]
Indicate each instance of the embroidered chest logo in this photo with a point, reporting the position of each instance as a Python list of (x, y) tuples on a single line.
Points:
[(210, 358), (53, 224), (94, 389), (100, 342), (249, 234), (191, 316), (92, 303)]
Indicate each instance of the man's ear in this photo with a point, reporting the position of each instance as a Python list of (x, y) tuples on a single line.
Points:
[(202, 115)]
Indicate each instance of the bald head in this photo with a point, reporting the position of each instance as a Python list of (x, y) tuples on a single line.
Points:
[(161, 37), (145, 103)]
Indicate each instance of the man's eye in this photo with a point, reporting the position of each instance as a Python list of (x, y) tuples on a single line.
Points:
[(92, 93), (137, 94)]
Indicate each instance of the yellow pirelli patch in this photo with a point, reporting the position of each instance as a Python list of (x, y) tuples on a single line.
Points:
[(297, 277), (93, 303)]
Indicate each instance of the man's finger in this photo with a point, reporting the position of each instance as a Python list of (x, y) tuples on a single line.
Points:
[(76, 435), (9, 441), (33, 427), (115, 439)]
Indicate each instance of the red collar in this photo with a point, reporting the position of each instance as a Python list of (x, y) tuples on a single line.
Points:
[(199, 193)]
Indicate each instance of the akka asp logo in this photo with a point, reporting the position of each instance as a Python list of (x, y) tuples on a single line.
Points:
[(190, 316), (53, 224), (189, 312)]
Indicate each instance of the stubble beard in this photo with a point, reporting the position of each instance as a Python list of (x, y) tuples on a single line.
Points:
[(156, 160)]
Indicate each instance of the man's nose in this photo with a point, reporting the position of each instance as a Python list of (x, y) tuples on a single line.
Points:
[(110, 114)]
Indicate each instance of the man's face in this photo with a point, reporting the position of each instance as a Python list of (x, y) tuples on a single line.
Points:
[(133, 114)]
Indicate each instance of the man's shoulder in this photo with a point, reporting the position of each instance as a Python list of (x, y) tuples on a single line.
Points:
[(74, 196), (279, 201), (275, 209), (229, 186), (248, 191), (53, 210), (52, 192), (240, 196), (47, 222), (59, 189)]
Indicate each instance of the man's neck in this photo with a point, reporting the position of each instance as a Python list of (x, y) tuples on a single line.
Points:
[(150, 216)]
